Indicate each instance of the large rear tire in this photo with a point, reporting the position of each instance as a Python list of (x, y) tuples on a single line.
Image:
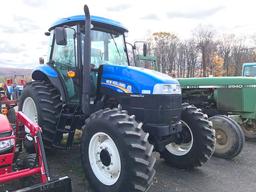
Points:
[(197, 140), (249, 128), (41, 103), (115, 153), (229, 137)]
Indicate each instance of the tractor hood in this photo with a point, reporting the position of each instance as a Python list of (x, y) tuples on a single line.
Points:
[(5, 128), (135, 80), (218, 82)]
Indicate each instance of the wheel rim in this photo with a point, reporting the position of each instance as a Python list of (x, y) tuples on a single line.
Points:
[(250, 127), (221, 137), (104, 158), (183, 148), (30, 110)]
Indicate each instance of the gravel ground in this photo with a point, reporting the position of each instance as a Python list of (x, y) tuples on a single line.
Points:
[(217, 175)]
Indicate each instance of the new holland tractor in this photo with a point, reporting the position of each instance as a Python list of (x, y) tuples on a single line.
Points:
[(123, 110)]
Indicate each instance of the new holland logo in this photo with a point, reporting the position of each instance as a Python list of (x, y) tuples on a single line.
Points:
[(119, 85)]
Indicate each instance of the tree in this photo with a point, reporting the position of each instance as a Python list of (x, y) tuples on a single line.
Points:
[(218, 66), (191, 55), (165, 49), (204, 38), (225, 47)]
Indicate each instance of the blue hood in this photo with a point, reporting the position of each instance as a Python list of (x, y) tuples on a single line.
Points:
[(133, 79)]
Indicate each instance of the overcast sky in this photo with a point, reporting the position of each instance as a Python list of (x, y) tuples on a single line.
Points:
[(23, 22)]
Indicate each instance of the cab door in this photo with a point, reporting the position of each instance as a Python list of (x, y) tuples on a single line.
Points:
[(64, 60)]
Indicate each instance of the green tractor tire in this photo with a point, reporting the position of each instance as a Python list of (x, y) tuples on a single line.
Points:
[(229, 137), (249, 129)]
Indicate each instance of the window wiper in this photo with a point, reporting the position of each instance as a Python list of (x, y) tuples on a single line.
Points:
[(116, 45)]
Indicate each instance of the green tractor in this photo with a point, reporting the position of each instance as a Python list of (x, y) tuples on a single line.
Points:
[(148, 62), (122, 110), (232, 96)]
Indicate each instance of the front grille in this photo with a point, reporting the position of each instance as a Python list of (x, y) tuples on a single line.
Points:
[(155, 109), (5, 134), (171, 102)]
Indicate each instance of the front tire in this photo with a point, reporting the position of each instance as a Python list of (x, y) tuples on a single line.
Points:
[(229, 137), (30, 162), (115, 152), (41, 103), (197, 140)]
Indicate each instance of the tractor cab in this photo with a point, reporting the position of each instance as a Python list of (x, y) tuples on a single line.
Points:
[(249, 70), (107, 47)]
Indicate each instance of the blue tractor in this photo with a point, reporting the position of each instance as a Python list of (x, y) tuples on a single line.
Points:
[(122, 110)]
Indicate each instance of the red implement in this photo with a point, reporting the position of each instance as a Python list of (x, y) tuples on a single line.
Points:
[(8, 147)]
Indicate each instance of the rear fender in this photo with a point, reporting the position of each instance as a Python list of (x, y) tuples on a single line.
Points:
[(46, 72)]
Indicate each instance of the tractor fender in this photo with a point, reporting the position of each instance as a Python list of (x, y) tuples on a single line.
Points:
[(46, 72)]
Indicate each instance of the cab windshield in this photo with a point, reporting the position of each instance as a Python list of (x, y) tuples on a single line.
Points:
[(107, 48), (250, 71)]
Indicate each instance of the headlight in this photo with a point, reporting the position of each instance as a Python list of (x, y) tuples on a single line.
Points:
[(6, 145), (167, 89)]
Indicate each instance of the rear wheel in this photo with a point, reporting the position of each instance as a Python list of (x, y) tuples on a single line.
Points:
[(40, 102), (195, 144), (249, 128), (229, 137), (115, 152)]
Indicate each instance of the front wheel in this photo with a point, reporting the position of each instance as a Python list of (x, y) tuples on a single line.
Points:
[(229, 137), (196, 142), (115, 152), (30, 162)]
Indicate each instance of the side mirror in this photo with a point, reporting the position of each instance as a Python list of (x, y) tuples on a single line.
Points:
[(60, 35), (41, 60), (47, 33), (144, 49)]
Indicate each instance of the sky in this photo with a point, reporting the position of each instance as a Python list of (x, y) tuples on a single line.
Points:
[(23, 22)]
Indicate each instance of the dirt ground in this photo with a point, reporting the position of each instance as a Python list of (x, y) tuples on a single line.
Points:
[(217, 175)]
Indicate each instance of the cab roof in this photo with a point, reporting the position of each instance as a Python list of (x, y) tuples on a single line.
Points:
[(98, 21), (249, 64)]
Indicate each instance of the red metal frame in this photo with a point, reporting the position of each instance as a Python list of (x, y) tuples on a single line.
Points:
[(40, 169)]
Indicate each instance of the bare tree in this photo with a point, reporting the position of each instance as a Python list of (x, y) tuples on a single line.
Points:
[(202, 55), (165, 49), (204, 38), (191, 57), (225, 47)]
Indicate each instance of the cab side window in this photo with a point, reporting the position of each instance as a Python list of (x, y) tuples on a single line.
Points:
[(65, 54)]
